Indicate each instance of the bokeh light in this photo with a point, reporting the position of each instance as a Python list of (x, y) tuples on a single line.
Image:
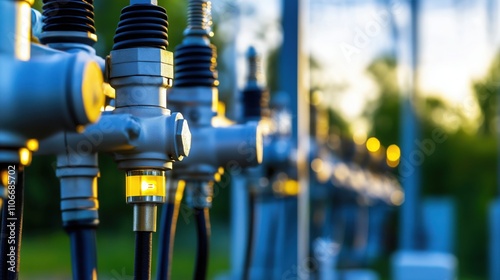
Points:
[(372, 144)]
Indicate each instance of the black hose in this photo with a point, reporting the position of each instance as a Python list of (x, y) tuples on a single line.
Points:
[(143, 250), (12, 223), (83, 253), (250, 237), (203, 229), (168, 223)]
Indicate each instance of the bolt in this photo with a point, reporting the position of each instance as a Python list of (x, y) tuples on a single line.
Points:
[(182, 138), (133, 128)]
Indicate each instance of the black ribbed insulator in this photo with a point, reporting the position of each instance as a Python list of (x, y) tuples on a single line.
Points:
[(68, 15), (255, 98), (255, 102), (142, 25), (195, 65)]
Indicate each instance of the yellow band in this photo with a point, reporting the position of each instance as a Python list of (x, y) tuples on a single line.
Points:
[(145, 184)]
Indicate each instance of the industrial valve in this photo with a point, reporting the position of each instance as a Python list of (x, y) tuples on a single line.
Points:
[(141, 133), (140, 70), (37, 106), (266, 188), (195, 94)]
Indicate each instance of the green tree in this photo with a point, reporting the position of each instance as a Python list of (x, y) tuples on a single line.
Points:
[(486, 91), (463, 166), (384, 111)]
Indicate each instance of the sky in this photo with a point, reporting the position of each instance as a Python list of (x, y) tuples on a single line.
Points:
[(345, 36)]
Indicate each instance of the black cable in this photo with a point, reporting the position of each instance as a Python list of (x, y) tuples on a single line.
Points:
[(83, 253), (143, 250), (12, 223), (203, 229), (168, 223), (250, 237)]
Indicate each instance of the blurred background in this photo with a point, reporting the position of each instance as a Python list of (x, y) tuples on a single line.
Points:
[(356, 50)]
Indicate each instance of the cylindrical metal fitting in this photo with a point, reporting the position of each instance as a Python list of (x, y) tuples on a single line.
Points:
[(254, 68), (68, 103), (79, 204), (255, 98), (111, 133), (145, 217), (233, 147), (199, 18)]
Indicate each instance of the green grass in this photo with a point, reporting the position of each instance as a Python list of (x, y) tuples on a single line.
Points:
[(47, 256)]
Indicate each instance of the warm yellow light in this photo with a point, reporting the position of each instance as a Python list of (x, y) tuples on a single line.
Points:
[(266, 126), (80, 128), (217, 177), (291, 187), (220, 120), (145, 183), (108, 108), (392, 164), (359, 137), (316, 98), (92, 91), (180, 190), (341, 172), (220, 106), (372, 144), (220, 170), (24, 156), (288, 187), (393, 153), (326, 172), (259, 144), (322, 125), (108, 90), (32, 145), (397, 197), (317, 165), (21, 36), (148, 186), (4, 176)]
